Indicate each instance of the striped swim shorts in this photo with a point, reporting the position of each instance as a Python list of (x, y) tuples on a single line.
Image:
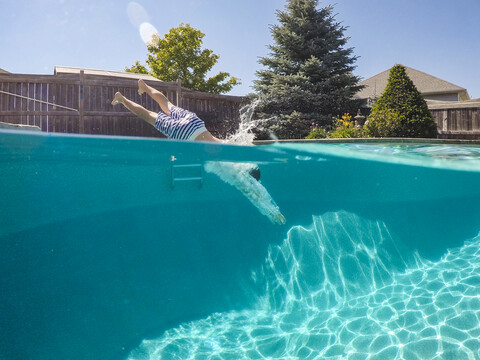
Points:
[(180, 125)]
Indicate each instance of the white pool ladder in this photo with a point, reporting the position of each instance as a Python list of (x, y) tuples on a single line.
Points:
[(187, 173)]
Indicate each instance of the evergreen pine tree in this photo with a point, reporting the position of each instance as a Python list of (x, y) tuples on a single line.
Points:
[(309, 72), (401, 110)]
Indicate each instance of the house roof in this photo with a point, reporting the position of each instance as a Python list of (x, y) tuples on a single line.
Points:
[(118, 74), (425, 83), (3, 71)]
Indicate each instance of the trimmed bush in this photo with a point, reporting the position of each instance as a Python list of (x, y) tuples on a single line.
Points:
[(401, 111)]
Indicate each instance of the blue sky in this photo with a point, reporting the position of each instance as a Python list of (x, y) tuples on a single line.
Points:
[(438, 37)]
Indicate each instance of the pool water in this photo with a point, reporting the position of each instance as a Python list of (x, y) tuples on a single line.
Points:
[(453, 152), (117, 248)]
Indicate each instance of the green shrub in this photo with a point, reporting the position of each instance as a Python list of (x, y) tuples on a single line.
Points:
[(383, 123), (316, 132), (401, 111)]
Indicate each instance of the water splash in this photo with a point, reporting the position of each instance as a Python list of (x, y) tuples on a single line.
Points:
[(343, 289), (245, 135), (238, 174)]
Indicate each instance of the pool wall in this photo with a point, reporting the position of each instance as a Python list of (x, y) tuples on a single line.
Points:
[(102, 248)]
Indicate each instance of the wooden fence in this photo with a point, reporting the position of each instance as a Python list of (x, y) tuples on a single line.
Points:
[(457, 120), (81, 103)]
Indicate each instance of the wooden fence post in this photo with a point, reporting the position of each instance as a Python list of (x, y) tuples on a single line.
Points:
[(179, 93), (445, 120), (81, 99)]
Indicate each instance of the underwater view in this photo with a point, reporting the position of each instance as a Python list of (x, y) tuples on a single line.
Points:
[(342, 289), (125, 248)]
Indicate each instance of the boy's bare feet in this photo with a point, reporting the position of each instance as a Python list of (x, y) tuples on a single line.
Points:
[(118, 99), (142, 87)]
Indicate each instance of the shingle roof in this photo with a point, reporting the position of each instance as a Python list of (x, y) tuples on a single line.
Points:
[(425, 83)]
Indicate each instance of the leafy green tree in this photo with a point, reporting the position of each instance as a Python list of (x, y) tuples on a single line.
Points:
[(308, 76), (401, 110), (179, 55), (137, 68)]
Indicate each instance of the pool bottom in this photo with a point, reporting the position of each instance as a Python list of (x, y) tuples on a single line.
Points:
[(343, 288)]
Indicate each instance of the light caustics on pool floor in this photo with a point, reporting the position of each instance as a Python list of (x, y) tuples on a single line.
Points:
[(343, 289)]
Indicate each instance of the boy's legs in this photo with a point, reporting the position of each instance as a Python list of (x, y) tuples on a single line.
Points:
[(156, 95), (139, 110), (165, 105)]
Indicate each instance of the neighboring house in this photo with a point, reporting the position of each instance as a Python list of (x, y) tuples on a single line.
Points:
[(457, 116), (431, 87)]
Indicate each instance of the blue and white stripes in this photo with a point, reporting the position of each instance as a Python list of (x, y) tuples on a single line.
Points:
[(180, 125)]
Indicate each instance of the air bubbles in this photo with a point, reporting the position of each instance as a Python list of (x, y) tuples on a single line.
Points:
[(303, 158), (139, 18)]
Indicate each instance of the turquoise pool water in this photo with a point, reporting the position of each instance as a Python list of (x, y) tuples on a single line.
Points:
[(115, 248)]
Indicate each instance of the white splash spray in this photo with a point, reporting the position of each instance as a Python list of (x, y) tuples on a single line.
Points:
[(238, 174), (245, 134)]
